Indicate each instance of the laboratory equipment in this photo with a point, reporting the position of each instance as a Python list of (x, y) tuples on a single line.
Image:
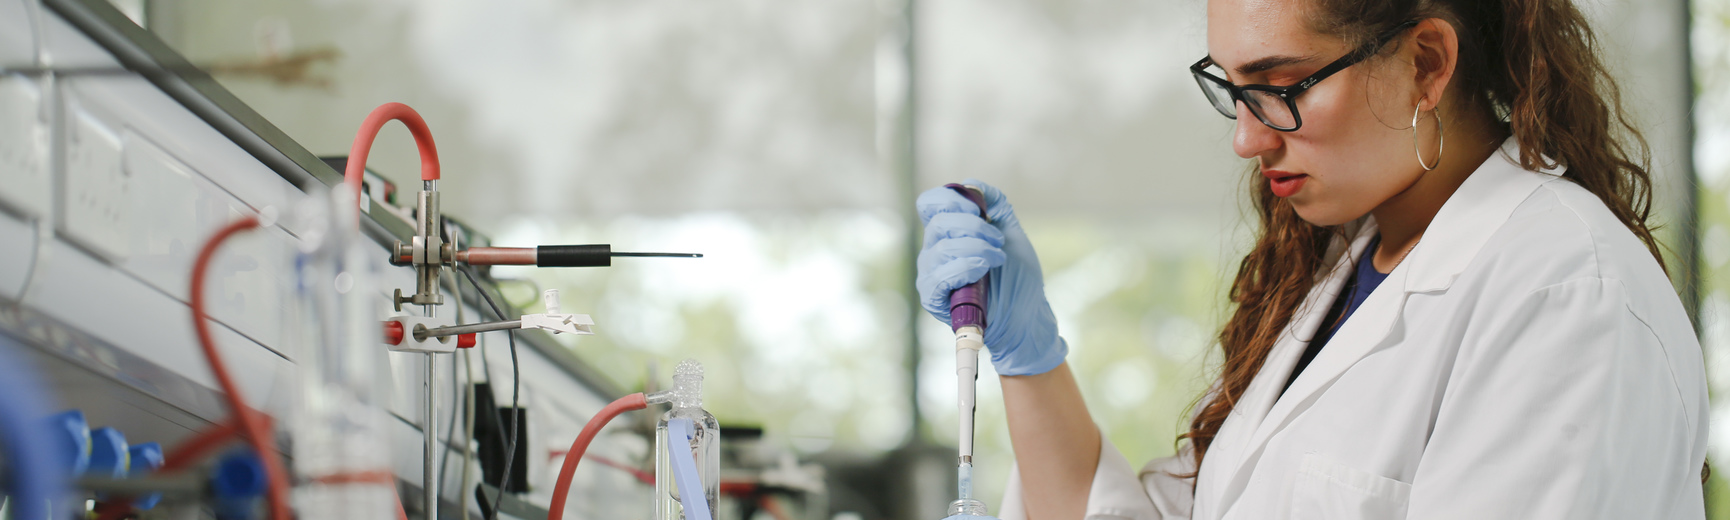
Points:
[(252, 423), (341, 451), (429, 251), (967, 319), (687, 452), (145, 458), (235, 484), (71, 435), (28, 442), (108, 455), (426, 243), (191, 157)]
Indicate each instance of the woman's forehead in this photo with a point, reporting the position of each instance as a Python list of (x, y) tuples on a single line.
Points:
[(1243, 31)]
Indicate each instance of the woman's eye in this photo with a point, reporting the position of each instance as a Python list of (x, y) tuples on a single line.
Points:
[(1285, 79)]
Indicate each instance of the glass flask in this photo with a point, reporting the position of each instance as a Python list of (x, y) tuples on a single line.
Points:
[(339, 433), (702, 445)]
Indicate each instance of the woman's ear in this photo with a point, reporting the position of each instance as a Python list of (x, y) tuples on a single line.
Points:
[(1435, 54)]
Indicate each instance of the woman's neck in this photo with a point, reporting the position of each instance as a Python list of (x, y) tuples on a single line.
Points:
[(1403, 218)]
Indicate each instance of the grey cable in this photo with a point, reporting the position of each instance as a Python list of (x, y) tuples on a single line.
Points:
[(468, 429), (516, 390)]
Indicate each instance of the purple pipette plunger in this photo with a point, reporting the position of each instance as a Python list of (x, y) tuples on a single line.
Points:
[(967, 304)]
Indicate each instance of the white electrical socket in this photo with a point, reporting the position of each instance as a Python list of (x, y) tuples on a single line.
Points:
[(95, 203), (24, 180)]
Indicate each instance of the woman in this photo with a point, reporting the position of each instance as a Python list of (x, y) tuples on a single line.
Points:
[(1460, 316)]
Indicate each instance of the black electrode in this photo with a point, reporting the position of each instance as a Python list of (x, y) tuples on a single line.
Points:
[(591, 255)]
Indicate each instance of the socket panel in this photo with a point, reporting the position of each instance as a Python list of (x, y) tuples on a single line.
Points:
[(95, 208), (24, 181)]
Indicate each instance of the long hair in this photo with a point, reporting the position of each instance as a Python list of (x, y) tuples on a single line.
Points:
[(1532, 64)]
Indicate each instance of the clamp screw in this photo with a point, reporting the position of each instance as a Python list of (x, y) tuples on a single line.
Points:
[(400, 299)]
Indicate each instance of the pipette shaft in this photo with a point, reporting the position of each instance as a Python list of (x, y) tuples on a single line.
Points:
[(968, 340)]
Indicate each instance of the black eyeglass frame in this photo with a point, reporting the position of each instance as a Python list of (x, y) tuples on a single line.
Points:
[(1288, 93)]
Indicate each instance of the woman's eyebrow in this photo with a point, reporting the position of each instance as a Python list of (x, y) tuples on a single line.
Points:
[(1270, 62)]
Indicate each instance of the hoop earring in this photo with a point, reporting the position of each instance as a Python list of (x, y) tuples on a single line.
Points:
[(1441, 136)]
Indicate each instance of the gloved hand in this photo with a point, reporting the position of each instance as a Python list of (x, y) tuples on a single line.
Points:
[(960, 247)]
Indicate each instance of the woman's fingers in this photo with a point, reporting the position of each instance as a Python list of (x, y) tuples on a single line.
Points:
[(950, 264), (961, 225), (939, 200)]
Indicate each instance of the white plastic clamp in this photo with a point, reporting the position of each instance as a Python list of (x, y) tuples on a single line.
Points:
[(445, 344)]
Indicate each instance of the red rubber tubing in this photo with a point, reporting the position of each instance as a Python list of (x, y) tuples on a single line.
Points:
[(636, 401), (194, 449), (252, 423), (429, 154)]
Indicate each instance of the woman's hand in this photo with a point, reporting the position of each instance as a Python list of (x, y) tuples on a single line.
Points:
[(960, 248)]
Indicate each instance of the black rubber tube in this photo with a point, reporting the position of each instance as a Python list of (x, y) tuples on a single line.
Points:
[(592, 255)]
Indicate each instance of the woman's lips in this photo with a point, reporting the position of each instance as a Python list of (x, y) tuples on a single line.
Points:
[(1284, 184)]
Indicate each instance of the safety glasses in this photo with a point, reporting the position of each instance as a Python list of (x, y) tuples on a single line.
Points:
[(1276, 106)]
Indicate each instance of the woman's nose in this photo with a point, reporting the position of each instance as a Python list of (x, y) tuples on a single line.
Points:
[(1252, 138)]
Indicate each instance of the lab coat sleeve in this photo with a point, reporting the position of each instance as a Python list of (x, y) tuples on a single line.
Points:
[(1564, 405), (1118, 493)]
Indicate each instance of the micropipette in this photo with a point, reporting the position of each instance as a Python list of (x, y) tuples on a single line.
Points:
[(967, 319)]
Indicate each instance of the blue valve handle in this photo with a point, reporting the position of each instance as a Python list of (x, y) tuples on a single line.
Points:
[(108, 453), (72, 437), (236, 483), (146, 458)]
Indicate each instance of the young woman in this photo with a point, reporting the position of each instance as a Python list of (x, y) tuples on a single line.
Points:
[(1455, 307)]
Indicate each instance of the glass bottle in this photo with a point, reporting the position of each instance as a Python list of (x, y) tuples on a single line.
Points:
[(340, 450), (703, 445)]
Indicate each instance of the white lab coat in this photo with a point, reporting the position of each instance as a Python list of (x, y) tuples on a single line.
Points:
[(1528, 359)]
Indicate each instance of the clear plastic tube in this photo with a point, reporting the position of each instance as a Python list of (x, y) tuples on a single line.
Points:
[(339, 434), (704, 446)]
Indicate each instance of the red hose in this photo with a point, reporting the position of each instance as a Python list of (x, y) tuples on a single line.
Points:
[(429, 155), (252, 423), (194, 449), (637, 401)]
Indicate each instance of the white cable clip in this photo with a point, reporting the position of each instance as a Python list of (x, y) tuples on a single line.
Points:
[(556, 322)]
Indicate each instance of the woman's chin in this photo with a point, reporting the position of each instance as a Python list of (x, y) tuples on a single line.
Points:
[(1323, 214)]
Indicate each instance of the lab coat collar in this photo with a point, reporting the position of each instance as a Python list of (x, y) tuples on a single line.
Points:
[(1466, 221), (1454, 237)]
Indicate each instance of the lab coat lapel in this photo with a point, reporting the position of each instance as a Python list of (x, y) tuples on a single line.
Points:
[(1462, 226), (1366, 329), (1239, 440)]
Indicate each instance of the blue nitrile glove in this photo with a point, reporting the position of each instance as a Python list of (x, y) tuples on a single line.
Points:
[(1020, 329)]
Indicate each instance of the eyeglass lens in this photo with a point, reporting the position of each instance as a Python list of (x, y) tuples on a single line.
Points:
[(1219, 96), (1267, 106), (1270, 108)]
